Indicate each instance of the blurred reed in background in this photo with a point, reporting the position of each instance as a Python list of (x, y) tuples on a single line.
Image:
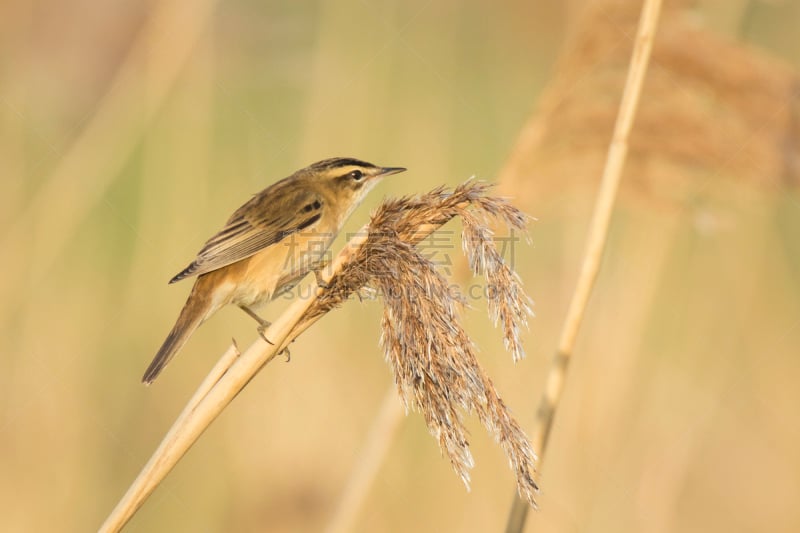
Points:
[(129, 130)]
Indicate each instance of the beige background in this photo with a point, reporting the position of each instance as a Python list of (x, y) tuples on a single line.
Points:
[(130, 130)]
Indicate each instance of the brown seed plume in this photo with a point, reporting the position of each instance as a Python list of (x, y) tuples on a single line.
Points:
[(432, 357)]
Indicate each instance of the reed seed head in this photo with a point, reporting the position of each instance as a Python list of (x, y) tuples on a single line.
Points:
[(433, 359)]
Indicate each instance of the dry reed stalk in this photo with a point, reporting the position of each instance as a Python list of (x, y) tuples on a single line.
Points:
[(433, 359), (596, 241), (366, 469)]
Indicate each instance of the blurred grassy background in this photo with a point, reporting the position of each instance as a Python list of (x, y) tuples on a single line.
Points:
[(130, 130)]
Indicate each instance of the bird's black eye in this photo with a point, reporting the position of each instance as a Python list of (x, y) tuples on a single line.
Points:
[(356, 175)]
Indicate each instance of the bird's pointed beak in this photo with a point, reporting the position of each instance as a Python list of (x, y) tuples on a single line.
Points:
[(388, 171)]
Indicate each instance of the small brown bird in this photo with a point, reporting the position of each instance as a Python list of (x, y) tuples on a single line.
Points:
[(269, 244)]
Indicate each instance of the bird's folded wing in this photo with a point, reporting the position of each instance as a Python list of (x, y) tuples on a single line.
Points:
[(265, 220)]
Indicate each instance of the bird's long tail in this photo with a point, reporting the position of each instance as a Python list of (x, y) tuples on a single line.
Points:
[(196, 310)]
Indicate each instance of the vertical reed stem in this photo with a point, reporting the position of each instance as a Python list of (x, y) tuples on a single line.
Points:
[(595, 245)]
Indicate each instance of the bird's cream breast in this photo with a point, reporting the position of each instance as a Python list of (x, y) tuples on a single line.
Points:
[(257, 277)]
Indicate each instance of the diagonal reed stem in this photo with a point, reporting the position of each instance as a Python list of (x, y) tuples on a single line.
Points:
[(225, 381), (595, 245), (234, 371)]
